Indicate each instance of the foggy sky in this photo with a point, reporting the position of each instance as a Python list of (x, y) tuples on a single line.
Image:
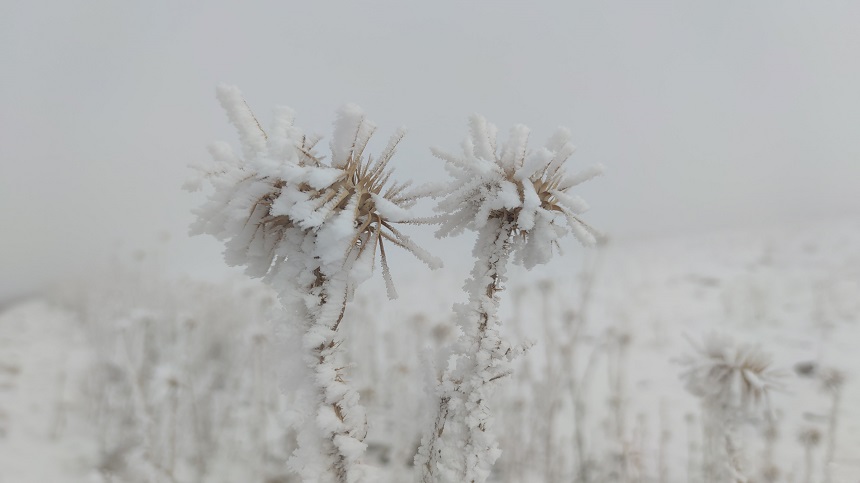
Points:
[(706, 114)]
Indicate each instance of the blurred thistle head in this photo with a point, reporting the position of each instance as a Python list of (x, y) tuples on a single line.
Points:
[(527, 189), (728, 374), (268, 205)]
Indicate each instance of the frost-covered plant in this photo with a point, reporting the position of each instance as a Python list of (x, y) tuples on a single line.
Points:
[(526, 192), (733, 381), (313, 229), (519, 203)]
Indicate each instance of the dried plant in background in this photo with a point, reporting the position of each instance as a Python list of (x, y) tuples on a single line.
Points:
[(180, 381), (831, 381), (207, 357), (809, 437), (733, 382)]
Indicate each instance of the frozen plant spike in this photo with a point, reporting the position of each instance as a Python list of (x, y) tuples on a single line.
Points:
[(250, 132)]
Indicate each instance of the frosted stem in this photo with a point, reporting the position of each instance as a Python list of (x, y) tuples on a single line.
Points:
[(721, 456), (490, 353), (336, 397), (464, 391), (429, 453)]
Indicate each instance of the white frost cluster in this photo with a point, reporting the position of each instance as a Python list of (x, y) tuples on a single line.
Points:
[(526, 187), (280, 199)]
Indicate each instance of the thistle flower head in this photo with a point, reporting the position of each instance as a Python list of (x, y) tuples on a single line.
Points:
[(283, 199), (728, 374), (528, 188)]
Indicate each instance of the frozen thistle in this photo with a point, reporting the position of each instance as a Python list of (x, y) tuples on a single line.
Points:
[(528, 188), (519, 203), (313, 228)]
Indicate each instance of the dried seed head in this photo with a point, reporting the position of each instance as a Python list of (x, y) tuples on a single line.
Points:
[(729, 374)]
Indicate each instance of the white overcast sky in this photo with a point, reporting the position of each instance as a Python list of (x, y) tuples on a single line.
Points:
[(706, 114)]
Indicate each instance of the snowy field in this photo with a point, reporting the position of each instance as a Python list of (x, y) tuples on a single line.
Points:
[(138, 377)]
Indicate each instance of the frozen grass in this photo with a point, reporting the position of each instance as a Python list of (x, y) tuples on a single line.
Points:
[(139, 378)]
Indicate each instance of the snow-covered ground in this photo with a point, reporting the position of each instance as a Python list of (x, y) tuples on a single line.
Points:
[(795, 290), (41, 438)]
